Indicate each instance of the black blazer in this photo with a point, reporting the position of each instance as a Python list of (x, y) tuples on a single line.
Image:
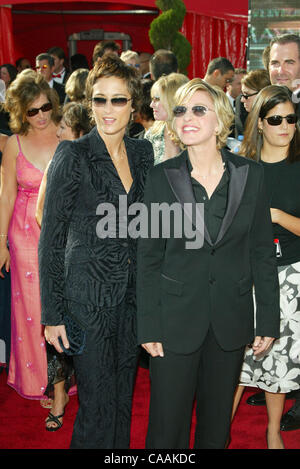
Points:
[(180, 291), (60, 89), (79, 272), (240, 117)]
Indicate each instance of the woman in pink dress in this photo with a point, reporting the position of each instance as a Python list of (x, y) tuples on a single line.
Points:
[(34, 116)]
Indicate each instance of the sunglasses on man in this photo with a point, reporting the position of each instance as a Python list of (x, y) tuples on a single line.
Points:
[(42, 67)]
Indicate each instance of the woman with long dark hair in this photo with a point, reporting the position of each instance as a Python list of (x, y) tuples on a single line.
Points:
[(272, 137)]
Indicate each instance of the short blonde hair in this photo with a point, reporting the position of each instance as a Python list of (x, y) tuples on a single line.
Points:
[(220, 101), (75, 86), (165, 87), (129, 54)]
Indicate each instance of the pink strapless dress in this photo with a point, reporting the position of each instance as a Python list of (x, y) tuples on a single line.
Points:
[(28, 373)]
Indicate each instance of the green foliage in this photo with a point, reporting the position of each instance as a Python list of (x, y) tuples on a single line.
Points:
[(164, 31)]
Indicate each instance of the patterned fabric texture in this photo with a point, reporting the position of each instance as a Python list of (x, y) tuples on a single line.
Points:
[(278, 370), (158, 143)]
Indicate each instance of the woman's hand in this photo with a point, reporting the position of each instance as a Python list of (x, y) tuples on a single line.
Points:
[(287, 221), (154, 348), (275, 215), (261, 344), (4, 260), (52, 333)]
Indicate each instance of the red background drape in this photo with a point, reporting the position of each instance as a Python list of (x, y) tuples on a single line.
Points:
[(213, 37), (213, 30), (7, 53)]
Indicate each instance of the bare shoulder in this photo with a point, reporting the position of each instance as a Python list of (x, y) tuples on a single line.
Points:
[(11, 147), (3, 140)]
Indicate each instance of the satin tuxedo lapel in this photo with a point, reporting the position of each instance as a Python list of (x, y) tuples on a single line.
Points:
[(237, 183), (180, 183)]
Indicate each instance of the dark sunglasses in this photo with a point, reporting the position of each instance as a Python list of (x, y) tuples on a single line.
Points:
[(198, 111), (246, 96), (277, 120), (35, 110), (118, 102)]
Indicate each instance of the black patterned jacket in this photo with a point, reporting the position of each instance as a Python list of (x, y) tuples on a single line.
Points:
[(78, 270)]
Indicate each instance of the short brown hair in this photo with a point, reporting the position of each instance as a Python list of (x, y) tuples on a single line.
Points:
[(113, 66), (25, 89), (256, 79), (101, 48), (76, 117)]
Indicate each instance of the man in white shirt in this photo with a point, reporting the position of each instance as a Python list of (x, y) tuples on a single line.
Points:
[(45, 66)]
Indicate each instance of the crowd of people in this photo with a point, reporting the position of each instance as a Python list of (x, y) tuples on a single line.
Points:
[(208, 297)]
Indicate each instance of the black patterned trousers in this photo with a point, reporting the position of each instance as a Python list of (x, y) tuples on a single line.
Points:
[(105, 374)]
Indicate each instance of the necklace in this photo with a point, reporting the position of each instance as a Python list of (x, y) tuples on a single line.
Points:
[(205, 177), (118, 161)]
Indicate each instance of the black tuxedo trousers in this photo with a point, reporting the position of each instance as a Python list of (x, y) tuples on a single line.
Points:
[(177, 380), (199, 304)]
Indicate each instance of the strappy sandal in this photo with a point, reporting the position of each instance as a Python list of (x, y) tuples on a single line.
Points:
[(55, 419)]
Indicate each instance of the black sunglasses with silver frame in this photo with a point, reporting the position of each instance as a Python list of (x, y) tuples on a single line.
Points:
[(99, 101)]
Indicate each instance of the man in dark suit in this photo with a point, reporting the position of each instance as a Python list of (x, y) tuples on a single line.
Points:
[(195, 303), (45, 66), (60, 72), (162, 62)]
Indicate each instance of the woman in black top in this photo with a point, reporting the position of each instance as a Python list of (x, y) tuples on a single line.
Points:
[(272, 136), (87, 276)]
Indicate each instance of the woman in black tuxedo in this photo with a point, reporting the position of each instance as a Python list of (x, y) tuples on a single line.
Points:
[(87, 275), (195, 307)]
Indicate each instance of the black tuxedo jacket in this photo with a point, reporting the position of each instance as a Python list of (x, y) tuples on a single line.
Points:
[(60, 89), (181, 292), (80, 273)]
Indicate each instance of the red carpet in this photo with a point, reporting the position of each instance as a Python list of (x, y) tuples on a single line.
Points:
[(22, 421)]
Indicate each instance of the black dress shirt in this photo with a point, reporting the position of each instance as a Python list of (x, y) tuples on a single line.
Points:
[(215, 206)]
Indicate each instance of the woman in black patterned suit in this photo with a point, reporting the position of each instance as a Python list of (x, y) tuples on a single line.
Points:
[(87, 277)]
